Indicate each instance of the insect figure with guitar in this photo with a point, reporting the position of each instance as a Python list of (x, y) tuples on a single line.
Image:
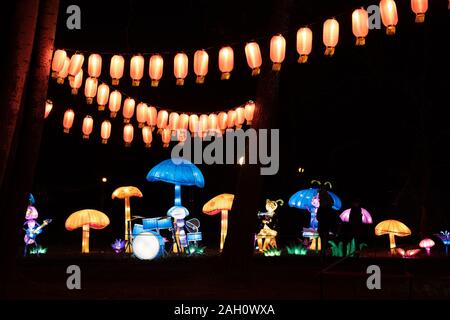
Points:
[(32, 228)]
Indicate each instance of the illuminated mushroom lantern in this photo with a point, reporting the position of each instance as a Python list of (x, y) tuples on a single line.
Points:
[(427, 244), (179, 172), (126, 193), (86, 219), (365, 216), (392, 228), (221, 203)]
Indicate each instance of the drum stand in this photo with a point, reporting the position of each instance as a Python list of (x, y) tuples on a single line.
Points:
[(129, 244)]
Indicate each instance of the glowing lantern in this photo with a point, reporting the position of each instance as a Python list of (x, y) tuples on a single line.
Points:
[(388, 11), (277, 51), (64, 72), (86, 219), (249, 112), (128, 133), (76, 82), (392, 228), (128, 109), (180, 68), (304, 44), (360, 25), (155, 69), (102, 96), (162, 119), (116, 69), (115, 100), (48, 108), (152, 116), (222, 121), (330, 35), (183, 122), (59, 58), (221, 203), (90, 89), (126, 193), (203, 125), (105, 131), (201, 59), (419, 7), (141, 114), (212, 124), (427, 244), (147, 136), (94, 65), (253, 54), (231, 118), (226, 62), (76, 62), (240, 117), (136, 69), (193, 124), (88, 124), (165, 137), (69, 115), (173, 121)]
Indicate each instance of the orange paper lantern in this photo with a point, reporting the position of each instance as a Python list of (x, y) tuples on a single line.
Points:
[(48, 108), (161, 121), (141, 114), (152, 116), (388, 11), (226, 62), (249, 111), (304, 44), (173, 121), (222, 121), (64, 71), (330, 35), (90, 89), (193, 124), (76, 62), (147, 136), (419, 7), (155, 69), (94, 65), (277, 51), (136, 69), (202, 125), (212, 124), (128, 133), (240, 117), (116, 69), (88, 124), (69, 115), (59, 58), (180, 68), (165, 137), (231, 119), (253, 55), (115, 100), (128, 109), (102, 96), (360, 26), (105, 131), (76, 82), (201, 59)]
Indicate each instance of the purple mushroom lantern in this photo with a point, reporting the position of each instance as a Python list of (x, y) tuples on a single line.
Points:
[(365, 216)]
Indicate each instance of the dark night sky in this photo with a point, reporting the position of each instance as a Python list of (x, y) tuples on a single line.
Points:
[(354, 119)]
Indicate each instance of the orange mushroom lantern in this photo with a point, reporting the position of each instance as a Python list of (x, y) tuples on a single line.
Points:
[(304, 43), (69, 115), (254, 59), (277, 51), (419, 7), (201, 60), (126, 193), (392, 228), (330, 36), (136, 69), (105, 131), (221, 203), (116, 69), (388, 11), (155, 69), (86, 219), (180, 67), (226, 62), (360, 25)]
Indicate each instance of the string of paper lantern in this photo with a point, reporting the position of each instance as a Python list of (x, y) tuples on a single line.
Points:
[(63, 66)]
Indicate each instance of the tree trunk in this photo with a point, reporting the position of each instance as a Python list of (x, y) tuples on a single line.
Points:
[(24, 134), (239, 247)]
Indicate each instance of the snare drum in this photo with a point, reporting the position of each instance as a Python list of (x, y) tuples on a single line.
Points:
[(148, 245), (194, 236), (150, 223), (137, 228)]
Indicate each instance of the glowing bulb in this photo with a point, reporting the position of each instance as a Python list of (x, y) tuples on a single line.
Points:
[(241, 160)]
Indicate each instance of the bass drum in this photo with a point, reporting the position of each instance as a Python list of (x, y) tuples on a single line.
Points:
[(148, 245)]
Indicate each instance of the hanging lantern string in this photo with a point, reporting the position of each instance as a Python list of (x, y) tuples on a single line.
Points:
[(192, 50)]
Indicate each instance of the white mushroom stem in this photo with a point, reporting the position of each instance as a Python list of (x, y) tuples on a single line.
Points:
[(85, 239), (392, 241), (224, 227)]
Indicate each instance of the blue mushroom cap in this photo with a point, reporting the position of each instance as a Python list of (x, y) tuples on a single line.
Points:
[(177, 171), (302, 199)]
